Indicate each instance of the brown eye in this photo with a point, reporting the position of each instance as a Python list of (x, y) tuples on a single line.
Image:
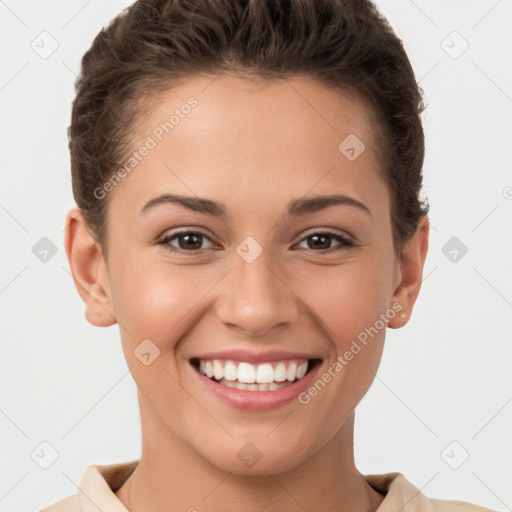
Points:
[(321, 241), (188, 241)]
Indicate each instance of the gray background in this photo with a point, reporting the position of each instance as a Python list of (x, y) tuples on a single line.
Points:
[(443, 389)]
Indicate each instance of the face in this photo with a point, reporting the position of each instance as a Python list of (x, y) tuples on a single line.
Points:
[(255, 279)]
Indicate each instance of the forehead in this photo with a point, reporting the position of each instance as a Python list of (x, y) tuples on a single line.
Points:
[(283, 136), (227, 102)]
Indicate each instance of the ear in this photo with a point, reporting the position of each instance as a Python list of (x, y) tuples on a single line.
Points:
[(410, 273), (88, 269)]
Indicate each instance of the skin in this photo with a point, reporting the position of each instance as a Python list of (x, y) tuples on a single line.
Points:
[(253, 146)]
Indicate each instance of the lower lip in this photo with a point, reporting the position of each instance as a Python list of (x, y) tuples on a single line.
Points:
[(257, 400)]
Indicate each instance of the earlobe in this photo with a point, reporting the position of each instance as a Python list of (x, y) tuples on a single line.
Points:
[(88, 269), (411, 263)]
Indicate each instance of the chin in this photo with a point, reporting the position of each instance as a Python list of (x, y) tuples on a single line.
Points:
[(255, 458)]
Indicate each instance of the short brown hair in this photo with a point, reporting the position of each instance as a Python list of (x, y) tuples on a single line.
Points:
[(154, 44)]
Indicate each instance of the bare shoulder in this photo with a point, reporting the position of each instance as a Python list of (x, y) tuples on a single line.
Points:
[(69, 504)]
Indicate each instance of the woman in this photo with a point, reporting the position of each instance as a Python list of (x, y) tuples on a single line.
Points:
[(247, 177)]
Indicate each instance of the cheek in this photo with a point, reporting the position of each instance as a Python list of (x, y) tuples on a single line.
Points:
[(348, 302), (156, 300), (347, 298)]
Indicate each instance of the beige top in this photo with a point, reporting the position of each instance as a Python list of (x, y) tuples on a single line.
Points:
[(98, 484)]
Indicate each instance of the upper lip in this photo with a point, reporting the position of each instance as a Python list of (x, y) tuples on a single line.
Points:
[(255, 357)]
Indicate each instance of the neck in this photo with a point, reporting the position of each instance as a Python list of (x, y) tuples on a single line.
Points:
[(171, 476)]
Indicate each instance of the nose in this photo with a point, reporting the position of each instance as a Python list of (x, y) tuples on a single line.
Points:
[(255, 298)]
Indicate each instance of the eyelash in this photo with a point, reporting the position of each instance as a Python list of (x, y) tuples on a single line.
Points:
[(345, 242)]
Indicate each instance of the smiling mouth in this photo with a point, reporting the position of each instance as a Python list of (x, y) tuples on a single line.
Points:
[(267, 376)]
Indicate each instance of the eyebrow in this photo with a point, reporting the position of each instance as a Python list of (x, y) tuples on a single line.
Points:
[(296, 207)]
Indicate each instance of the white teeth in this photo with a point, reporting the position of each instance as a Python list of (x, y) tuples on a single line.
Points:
[(254, 386), (230, 372), (264, 373), (246, 373), (280, 373), (291, 372), (301, 370), (261, 377), (218, 371)]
